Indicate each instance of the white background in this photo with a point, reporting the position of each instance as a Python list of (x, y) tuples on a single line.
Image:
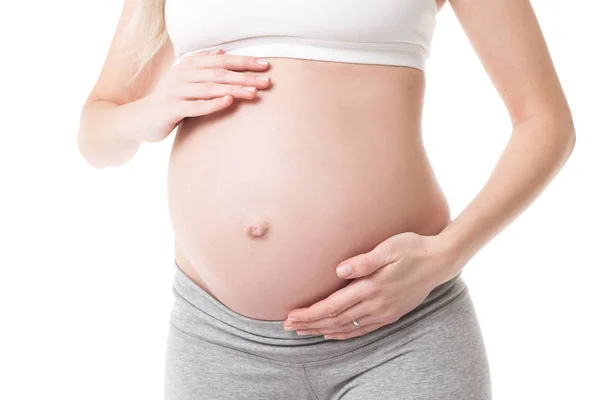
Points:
[(86, 255)]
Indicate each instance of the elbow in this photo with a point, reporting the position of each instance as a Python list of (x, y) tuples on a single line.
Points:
[(568, 132), (89, 145), (562, 129), (85, 150), (572, 143), (98, 142), (564, 133), (86, 146), (555, 130)]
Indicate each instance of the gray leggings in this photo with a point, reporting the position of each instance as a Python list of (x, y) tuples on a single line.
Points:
[(435, 352)]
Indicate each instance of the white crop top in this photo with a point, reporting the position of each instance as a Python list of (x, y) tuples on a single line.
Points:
[(388, 32)]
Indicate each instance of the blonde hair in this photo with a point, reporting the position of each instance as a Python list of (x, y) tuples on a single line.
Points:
[(149, 19)]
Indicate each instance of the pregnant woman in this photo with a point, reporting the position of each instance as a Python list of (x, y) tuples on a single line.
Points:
[(315, 256)]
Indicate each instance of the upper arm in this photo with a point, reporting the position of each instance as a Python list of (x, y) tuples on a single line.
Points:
[(508, 40), (120, 65)]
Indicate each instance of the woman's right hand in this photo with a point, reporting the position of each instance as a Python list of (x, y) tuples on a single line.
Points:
[(200, 84)]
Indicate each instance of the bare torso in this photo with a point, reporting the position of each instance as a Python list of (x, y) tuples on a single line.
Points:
[(268, 196)]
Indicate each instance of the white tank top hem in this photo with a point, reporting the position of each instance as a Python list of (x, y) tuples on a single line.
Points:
[(386, 32), (407, 54)]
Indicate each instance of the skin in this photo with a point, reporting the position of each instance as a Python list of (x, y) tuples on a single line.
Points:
[(509, 42), (269, 259), (320, 167)]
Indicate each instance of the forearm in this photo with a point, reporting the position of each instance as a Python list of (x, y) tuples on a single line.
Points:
[(536, 152), (110, 134)]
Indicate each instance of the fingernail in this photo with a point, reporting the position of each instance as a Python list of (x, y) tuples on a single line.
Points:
[(301, 333), (249, 88), (292, 319), (262, 61), (288, 328), (262, 78), (344, 270), (215, 51)]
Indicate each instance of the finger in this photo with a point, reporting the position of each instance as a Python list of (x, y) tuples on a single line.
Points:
[(367, 263), (210, 90), (225, 76), (333, 305), (359, 310), (324, 331), (364, 320), (348, 327), (357, 332), (197, 108), (227, 61)]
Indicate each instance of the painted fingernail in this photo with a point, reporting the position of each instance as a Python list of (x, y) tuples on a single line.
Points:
[(292, 319), (262, 61), (344, 270)]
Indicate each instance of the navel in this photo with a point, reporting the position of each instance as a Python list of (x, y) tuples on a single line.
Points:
[(257, 228)]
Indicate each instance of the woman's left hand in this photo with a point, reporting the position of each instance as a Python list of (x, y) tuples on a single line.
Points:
[(388, 282)]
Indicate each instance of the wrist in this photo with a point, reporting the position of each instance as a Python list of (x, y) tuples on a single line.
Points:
[(450, 257), (135, 117)]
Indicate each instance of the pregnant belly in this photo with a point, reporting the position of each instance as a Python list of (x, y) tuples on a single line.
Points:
[(267, 197)]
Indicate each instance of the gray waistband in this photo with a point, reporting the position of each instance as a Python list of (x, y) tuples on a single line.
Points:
[(199, 314)]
